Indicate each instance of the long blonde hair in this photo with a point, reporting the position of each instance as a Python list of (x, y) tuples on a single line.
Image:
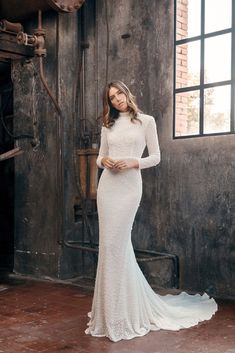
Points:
[(110, 114)]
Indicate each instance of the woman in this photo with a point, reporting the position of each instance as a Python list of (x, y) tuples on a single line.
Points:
[(124, 305)]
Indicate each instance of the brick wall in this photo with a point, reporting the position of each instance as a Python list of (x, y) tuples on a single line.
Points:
[(181, 67)]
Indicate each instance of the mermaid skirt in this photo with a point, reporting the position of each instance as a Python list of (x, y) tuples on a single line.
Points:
[(124, 305)]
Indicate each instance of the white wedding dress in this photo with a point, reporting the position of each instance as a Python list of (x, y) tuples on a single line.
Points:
[(124, 305)]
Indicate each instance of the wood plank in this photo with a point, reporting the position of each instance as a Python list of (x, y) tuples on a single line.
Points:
[(9, 48)]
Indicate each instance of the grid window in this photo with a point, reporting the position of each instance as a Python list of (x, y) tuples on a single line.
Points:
[(204, 74)]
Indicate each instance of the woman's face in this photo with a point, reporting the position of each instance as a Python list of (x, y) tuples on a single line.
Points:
[(118, 99)]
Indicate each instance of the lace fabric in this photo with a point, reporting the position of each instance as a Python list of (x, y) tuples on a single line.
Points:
[(124, 305)]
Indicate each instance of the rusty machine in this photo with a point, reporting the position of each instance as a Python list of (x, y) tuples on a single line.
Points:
[(16, 44)]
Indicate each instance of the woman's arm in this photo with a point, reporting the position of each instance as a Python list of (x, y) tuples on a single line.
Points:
[(152, 145), (153, 150), (103, 161), (103, 151)]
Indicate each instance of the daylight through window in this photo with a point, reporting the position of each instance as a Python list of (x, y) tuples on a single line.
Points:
[(204, 67)]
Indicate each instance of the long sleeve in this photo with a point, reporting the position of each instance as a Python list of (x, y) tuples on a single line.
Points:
[(103, 151), (152, 145)]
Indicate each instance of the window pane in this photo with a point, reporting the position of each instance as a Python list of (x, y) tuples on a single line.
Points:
[(217, 109), (218, 15), (187, 113), (218, 58), (188, 64), (188, 17)]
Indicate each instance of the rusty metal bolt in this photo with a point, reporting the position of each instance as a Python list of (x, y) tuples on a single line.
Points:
[(80, 3), (62, 6), (70, 8)]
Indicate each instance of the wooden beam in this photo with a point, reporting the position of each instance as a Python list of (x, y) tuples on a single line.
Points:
[(10, 49)]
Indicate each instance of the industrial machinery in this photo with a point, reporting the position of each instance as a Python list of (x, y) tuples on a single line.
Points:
[(15, 10)]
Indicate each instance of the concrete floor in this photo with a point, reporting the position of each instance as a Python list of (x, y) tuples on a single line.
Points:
[(51, 317)]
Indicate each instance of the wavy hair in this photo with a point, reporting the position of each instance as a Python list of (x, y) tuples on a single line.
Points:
[(110, 114)]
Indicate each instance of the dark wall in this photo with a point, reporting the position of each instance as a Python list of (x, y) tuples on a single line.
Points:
[(6, 170), (45, 184), (189, 199)]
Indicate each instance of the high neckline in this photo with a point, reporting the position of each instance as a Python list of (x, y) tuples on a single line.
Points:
[(124, 115)]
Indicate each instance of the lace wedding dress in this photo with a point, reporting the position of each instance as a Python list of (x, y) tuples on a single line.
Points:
[(124, 305)]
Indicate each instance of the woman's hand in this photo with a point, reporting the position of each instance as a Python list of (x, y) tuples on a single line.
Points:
[(126, 164), (108, 162), (120, 164)]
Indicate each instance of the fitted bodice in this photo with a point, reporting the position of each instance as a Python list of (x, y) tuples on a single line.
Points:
[(128, 139)]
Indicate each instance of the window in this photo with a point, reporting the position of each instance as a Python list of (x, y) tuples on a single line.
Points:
[(204, 74)]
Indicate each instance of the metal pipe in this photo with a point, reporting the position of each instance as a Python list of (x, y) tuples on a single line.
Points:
[(41, 52), (83, 94), (60, 155), (43, 79), (156, 256), (75, 245), (11, 154), (40, 19), (78, 181)]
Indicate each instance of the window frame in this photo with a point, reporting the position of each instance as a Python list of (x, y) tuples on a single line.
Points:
[(202, 86)]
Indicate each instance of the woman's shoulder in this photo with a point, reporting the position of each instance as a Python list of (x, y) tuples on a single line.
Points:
[(145, 118), (103, 130)]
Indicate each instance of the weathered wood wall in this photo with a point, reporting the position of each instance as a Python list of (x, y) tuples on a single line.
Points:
[(45, 186), (188, 201)]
